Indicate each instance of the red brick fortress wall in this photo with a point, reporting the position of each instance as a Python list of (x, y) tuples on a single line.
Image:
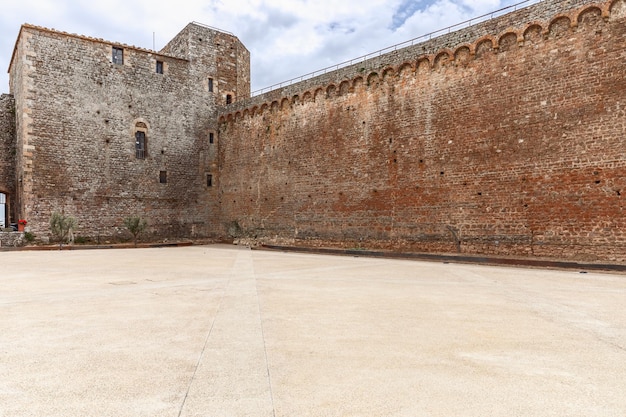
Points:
[(510, 143)]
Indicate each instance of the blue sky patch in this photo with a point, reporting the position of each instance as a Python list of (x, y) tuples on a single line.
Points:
[(406, 9)]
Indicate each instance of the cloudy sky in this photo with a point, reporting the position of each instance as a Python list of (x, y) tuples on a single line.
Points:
[(286, 38)]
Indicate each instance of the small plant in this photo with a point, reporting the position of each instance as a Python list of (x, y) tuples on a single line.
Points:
[(61, 226), (234, 229), (29, 237), (135, 225), (81, 240)]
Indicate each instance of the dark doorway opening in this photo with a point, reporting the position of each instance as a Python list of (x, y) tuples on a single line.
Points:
[(4, 212)]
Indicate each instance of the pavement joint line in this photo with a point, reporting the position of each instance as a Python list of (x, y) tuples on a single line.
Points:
[(206, 342), (267, 363)]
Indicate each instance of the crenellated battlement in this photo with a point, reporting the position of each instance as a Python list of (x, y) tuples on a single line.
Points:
[(519, 29)]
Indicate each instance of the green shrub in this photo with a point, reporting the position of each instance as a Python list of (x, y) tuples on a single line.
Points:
[(81, 240), (135, 225), (29, 237), (61, 226)]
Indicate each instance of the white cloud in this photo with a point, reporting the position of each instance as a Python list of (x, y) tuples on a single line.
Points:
[(286, 38)]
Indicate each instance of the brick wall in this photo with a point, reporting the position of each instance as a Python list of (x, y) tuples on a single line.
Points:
[(78, 113), (508, 144)]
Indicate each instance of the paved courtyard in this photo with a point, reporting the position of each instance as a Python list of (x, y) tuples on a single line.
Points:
[(226, 331)]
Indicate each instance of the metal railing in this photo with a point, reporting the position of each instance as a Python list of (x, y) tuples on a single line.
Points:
[(410, 42), (213, 28)]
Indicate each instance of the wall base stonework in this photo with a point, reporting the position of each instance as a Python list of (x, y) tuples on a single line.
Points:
[(11, 239)]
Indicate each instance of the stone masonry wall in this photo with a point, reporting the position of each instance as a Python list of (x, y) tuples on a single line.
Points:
[(7, 144), (19, 85), (79, 112), (11, 239), (220, 56), (7, 153), (508, 144), (214, 54)]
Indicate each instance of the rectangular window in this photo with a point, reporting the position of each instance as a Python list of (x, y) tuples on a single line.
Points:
[(159, 67), (210, 85), (229, 98), (211, 137), (140, 145), (163, 177), (118, 56), (209, 180)]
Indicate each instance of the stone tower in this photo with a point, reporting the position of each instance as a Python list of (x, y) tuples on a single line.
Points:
[(107, 130)]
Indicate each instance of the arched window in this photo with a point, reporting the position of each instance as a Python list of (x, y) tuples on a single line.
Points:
[(141, 140)]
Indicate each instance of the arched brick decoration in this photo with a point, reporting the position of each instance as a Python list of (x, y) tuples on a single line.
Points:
[(331, 90), (508, 42), (559, 27), (441, 60), (237, 116), (617, 10), (295, 100), (423, 66), (246, 113), (405, 70), (532, 34), (462, 55), (484, 47), (373, 80), (344, 88), (274, 106), (591, 17), (388, 74), (319, 94), (263, 108), (255, 110), (284, 104), (307, 97), (357, 83)]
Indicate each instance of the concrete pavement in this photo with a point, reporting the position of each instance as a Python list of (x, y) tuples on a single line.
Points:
[(225, 331)]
